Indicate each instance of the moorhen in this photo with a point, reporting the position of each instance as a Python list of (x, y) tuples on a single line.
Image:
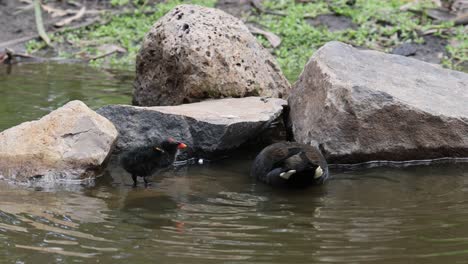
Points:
[(144, 161), (290, 164)]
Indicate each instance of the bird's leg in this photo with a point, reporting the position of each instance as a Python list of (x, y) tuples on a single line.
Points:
[(146, 182), (134, 178)]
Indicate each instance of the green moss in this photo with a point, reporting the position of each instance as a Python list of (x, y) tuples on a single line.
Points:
[(34, 45)]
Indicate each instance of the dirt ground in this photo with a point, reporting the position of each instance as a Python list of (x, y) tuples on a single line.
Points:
[(18, 24), (17, 19), (432, 50)]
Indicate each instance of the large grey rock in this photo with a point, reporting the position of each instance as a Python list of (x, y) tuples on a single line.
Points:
[(206, 127), (362, 105), (71, 142), (195, 52)]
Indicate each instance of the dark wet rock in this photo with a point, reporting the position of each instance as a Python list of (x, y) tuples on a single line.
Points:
[(194, 53), (362, 105), (237, 8), (71, 142), (332, 22), (432, 50), (206, 127)]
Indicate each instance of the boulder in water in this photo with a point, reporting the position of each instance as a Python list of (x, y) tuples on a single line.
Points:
[(363, 105), (72, 142), (206, 127)]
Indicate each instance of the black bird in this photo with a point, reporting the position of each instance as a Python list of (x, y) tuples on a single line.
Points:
[(144, 161), (290, 164)]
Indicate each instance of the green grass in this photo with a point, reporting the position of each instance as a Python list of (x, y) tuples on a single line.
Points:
[(458, 49), (126, 31), (380, 25)]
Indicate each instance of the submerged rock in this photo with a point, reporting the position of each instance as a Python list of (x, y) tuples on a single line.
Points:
[(71, 142), (362, 105), (206, 127), (194, 53)]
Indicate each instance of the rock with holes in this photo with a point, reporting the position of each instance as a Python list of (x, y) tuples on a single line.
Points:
[(194, 52), (72, 142), (363, 105), (207, 127)]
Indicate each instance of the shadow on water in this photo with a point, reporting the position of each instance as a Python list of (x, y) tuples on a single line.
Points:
[(215, 212)]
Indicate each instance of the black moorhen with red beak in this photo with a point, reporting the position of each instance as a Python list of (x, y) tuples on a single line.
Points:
[(290, 164), (145, 161)]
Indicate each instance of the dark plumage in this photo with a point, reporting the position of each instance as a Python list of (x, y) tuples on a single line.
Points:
[(290, 164), (144, 161)]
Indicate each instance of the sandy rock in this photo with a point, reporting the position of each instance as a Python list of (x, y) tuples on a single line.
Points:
[(194, 53), (206, 127), (71, 142), (362, 105)]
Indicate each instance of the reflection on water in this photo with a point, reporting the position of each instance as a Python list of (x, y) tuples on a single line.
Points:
[(215, 213), (30, 91)]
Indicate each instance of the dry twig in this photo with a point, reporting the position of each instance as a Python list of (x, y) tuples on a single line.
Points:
[(274, 40), (68, 20), (39, 23)]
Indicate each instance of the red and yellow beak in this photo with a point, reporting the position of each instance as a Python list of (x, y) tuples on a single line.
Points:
[(181, 146)]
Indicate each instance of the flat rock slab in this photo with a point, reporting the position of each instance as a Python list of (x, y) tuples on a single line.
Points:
[(194, 53), (206, 127), (71, 142), (363, 105)]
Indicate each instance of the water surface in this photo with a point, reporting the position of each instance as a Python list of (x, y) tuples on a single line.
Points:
[(30, 91), (215, 213)]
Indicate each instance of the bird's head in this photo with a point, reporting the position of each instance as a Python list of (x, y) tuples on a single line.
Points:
[(171, 145)]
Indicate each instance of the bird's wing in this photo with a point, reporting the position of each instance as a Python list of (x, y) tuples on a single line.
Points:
[(149, 156), (280, 156)]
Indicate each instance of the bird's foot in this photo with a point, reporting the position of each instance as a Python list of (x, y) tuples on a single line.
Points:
[(286, 175), (147, 183), (134, 178)]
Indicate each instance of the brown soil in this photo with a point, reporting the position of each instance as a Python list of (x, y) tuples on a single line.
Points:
[(18, 20), (332, 22), (237, 8)]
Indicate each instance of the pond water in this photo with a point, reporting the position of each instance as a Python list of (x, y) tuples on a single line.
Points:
[(215, 213)]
